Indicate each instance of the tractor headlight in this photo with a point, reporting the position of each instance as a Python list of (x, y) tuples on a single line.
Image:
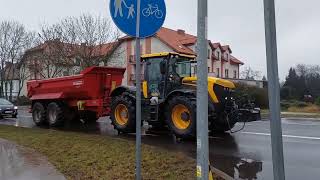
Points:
[(15, 107)]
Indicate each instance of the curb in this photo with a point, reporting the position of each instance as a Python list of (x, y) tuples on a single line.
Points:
[(221, 174)]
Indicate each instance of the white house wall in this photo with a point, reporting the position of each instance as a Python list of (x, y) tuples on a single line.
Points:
[(158, 46), (119, 59)]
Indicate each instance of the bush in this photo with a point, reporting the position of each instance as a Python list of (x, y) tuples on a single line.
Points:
[(258, 95), (285, 105), (318, 101), (22, 101), (300, 104)]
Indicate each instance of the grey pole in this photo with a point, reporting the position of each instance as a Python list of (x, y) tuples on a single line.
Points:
[(202, 93), (274, 90), (138, 95)]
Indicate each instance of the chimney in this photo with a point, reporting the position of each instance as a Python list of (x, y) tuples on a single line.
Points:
[(181, 31)]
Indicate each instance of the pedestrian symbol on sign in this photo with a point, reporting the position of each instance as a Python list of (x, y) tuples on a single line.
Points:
[(152, 15)]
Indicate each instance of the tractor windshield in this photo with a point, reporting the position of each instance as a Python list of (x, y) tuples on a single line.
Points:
[(183, 67)]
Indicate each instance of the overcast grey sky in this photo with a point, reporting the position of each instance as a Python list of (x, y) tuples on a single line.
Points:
[(238, 23)]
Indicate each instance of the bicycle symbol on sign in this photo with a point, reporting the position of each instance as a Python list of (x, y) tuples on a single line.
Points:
[(152, 10)]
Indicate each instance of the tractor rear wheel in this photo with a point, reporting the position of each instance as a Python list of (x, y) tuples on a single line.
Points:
[(55, 114), (38, 114), (123, 113), (181, 116)]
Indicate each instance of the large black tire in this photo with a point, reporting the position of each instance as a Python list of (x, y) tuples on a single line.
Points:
[(181, 116), (39, 114), (55, 114), (123, 113)]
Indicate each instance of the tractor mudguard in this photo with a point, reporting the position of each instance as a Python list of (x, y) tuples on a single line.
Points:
[(121, 89), (181, 91)]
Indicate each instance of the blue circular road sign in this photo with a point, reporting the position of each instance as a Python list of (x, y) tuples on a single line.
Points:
[(152, 16)]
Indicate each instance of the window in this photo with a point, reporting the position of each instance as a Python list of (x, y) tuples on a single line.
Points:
[(208, 69), (65, 73), (218, 55), (132, 59), (77, 61), (209, 54), (182, 67), (218, 72), (235, 74), (226, 72), (227, 56)]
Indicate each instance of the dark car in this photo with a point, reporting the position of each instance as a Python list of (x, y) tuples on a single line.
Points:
[(7, 109)]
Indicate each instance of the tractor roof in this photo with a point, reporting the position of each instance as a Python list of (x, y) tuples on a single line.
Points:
[(163, 54)]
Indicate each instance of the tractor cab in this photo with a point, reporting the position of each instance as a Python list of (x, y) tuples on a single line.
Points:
[(164, 72)]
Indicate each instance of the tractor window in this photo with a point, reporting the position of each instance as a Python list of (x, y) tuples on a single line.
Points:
[(153, 74), (183, 67)]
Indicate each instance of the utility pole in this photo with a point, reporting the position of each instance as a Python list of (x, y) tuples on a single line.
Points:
[(274, 90), (202, 93)]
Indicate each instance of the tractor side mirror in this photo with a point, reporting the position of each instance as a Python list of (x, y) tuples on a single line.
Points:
[(163, 67)]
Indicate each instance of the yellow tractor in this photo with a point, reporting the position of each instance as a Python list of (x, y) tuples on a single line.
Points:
[(169, 99)]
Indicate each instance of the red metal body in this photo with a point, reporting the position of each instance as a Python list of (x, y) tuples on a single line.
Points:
[(92, 88)]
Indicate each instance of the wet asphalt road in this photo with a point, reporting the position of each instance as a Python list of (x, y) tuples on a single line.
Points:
[(242, 155)]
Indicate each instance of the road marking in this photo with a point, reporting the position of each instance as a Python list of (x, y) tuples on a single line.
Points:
[(288, 136), (287, 123)]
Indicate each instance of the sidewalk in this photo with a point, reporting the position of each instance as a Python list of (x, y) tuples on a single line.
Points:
[(18, 163)]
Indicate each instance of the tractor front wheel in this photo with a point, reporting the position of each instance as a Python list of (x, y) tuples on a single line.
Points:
[(123, 113), (181, 116)]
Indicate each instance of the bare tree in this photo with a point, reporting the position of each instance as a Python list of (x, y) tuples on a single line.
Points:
[(94, 35), (75, 41), (250, 74), (14, 39)]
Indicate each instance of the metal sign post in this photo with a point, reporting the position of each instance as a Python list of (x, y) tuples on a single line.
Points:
[(274, 90), (138, 95), (140, 19), (202, 93)]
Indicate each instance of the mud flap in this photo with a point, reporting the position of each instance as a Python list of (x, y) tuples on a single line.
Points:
[(249, 115)]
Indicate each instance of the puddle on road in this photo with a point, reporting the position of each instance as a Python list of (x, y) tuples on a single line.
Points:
[(238, 168), (11, 161), (21, 164)]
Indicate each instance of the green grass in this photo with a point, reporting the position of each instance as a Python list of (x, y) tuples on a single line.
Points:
[(84, 156)]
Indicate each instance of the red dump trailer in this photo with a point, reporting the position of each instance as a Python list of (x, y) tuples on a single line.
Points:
[(85, 96)]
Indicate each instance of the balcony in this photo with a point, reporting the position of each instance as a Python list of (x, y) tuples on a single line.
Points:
[(133, 77)]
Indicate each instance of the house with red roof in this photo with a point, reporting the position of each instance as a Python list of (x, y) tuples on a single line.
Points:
[(221, 62)]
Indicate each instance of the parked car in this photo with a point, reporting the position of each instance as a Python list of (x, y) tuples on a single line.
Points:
[(8, 109)]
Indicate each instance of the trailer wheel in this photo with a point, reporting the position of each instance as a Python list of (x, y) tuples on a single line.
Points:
[(181, 116), (38, 114), (123, 113), (55, 114)]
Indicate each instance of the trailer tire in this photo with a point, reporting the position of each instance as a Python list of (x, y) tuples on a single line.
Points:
[(38, 114), (181, 116), (123, 113), (55, 114)]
